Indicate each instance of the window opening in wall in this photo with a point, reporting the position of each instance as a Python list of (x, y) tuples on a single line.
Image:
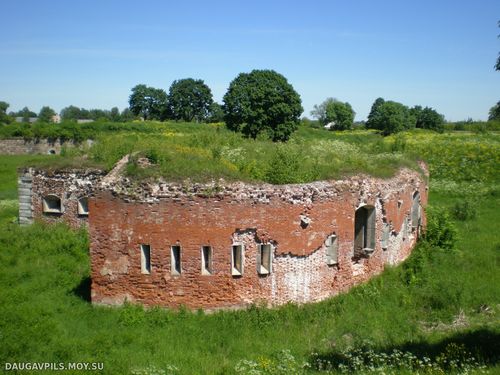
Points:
[(145, 259), (83, 206), (386, 233), (364, 231), (405, 228), (415, 211), (52, 204), (332, 247), (175, 266), (206, 260), (264, 261), (237, 257)]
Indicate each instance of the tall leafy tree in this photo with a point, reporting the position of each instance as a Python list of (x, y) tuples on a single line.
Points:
[(114, 114), (216, 113), (495, 112), (390, 117), (148, 102), (373, 119), (126, 115), (25, 113), (71, 113), (189, 100), (336, 112), (4, 117), (46, 114), (429, 118), (262, 101)]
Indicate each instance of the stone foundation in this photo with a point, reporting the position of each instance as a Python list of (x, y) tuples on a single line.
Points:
[(20, 146)]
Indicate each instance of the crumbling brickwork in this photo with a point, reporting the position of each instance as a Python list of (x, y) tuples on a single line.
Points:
[(296, 219), (68, 185)]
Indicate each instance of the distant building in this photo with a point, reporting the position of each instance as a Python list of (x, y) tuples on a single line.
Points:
[(31, 120)]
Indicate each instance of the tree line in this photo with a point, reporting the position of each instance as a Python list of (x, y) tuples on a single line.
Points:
[(70, 113), (261, 102)]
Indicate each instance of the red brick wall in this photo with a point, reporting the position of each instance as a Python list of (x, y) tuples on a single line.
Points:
[(118, 225)]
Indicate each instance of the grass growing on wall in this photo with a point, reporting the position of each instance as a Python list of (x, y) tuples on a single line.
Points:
[(441, 305)]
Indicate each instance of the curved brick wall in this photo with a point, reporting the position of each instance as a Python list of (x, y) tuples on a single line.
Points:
[(296, 219)]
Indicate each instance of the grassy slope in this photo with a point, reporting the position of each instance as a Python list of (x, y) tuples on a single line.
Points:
[(209, 151), (44, 315)]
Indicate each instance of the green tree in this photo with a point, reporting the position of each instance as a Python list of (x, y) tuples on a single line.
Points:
[(70, 113), (336, 112), (126, 115), (373, 117), (46, 114), (148, 102), (189, 99), (495, 112), (390, 117), (4, 117), (114, 114), (262, 101), (216, 113), (25, 113), (429, 118)]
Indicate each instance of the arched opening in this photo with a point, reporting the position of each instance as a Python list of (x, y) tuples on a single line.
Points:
[(52, 204), (51, 152), (364, 231)]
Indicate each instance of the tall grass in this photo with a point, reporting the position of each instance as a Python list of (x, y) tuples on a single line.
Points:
[(441, 304)]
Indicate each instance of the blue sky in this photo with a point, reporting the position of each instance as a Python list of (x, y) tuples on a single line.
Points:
[(90, 54)]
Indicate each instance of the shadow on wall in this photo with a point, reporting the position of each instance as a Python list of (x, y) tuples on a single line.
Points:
[(482, 344)]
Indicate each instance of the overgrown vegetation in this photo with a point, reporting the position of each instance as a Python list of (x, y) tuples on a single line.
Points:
[(437, 313)]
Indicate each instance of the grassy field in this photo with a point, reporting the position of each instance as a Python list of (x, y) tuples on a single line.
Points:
[(437, 313)]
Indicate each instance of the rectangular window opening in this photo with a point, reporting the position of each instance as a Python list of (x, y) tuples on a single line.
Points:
[(332, 250), (206, 260), (175, 266), (146, 259), (386, 234), (364, 231), (237, 257), (52, 204), (265, 260), (83, 206)]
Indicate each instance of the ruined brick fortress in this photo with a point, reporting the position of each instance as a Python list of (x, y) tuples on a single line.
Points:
[(228, 245)]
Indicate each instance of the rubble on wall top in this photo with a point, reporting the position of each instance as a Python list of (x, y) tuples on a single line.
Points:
[(305, 193), (153, 191)]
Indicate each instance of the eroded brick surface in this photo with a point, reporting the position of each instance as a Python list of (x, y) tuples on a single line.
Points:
[(124, 215), (296, 219)]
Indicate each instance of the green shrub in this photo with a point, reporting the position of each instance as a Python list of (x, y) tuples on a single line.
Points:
[(464, 210), (440, 231), (285, 166)]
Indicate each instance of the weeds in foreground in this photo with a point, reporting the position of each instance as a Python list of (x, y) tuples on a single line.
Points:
[(454, 359)]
